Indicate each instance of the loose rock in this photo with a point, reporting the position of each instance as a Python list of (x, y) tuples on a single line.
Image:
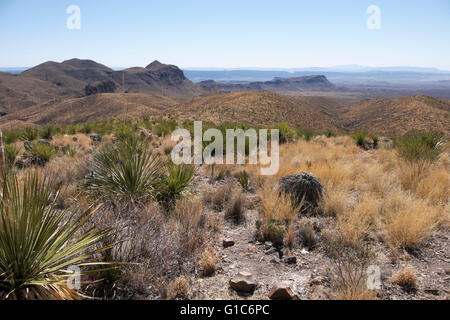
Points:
[(281, 291), (243, 282)]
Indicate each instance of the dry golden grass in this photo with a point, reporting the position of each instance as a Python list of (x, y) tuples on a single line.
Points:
[(370, 193), (178, 289), (405, 278), (208, 262)]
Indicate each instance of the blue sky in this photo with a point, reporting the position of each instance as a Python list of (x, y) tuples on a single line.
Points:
[(227, 33)]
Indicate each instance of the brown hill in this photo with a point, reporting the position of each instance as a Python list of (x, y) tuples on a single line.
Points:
[(398, 116), (261, 108), (74, 74), (94, 107), (77, 78)]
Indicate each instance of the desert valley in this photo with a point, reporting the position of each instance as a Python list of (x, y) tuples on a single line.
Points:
[(361, 195)]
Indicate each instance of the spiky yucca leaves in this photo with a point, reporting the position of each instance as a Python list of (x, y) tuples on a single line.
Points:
[(39, 243), (39, 153), (173, 183), (126, 170)]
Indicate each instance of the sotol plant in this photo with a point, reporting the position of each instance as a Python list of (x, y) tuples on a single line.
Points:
[(38, 243), (126, 170), (172, 184)]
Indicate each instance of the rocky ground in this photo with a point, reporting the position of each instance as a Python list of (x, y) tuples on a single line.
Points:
[(307, 273)]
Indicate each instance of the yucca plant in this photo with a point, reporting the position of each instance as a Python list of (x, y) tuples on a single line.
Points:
[(172, 184), (126, 170), (38, 243), (39, 153), (29, 134)]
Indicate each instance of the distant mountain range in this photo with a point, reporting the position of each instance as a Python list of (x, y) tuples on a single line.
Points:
[(84, 90)]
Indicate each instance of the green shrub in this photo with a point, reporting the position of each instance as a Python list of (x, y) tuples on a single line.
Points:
[(244, 180), (420, 146), (307, 134), (275, 232), (29, 134), (330, 134), (172, 184), (39, 243), (11, 136), (11, 152), (360, 138), (126, 170), (286, 133), (47, 132)]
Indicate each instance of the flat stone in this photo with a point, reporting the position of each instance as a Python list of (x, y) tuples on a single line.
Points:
[(243, 282), (281, 291)]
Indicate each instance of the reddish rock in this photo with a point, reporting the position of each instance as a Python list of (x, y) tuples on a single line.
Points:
[(227, 243), (281, 291), (243, 282)]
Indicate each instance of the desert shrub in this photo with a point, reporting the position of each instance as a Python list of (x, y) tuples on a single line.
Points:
[(375, 140), (244, 180), (69, 151), (47, 132), (173, 183), (39, 153), (208, 262), (11, 152), (349, 266), (10, 137), (125, 170), (275, 232), (285, 131), (405, 278), (420, 146), (29, 134), (218, 198), (38, 243), (307, 134), (178, 289), (360, 138), (192, 221), (307, 235), (235, 212), (330, 133), (151, 246), (165, 127)]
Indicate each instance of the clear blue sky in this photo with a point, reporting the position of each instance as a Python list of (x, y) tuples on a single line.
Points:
[(227, 33)]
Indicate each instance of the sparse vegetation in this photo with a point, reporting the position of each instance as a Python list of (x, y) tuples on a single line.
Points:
[(30, 229), (420, 146), (406, 278)]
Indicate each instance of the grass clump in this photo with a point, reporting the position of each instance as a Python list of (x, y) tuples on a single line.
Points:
[(39, 243), (406, 279)]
